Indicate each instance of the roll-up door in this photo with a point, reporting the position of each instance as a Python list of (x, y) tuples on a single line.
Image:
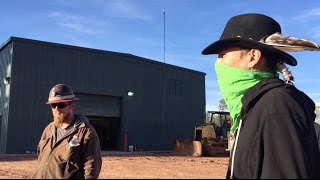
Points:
[(98, 105)]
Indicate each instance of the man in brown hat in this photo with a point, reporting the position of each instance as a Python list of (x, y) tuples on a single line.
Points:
[(272, 119), (69, 147)]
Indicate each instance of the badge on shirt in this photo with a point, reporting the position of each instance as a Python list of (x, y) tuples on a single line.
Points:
[(74, 141)]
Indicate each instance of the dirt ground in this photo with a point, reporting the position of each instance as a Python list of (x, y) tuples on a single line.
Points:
[(130, 166)]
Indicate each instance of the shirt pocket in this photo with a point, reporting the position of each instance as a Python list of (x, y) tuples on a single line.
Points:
[(71, 150)]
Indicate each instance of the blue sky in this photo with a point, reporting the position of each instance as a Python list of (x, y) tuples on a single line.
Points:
[(137, 27)]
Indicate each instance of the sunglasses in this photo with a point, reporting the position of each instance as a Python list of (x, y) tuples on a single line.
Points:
[(59, 105)]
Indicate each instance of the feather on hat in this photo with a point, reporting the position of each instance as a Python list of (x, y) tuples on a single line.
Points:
[(289, 43)]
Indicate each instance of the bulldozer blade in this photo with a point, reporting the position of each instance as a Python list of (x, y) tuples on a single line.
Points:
[(188, 148)]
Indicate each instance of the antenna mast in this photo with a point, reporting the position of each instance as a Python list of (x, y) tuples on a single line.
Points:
[(164, 65)]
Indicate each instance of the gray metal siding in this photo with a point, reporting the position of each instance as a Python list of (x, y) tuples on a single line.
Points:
[(144, 115), (147, 129), (191, 105), (40, 65), (5, 71), (29, 90)]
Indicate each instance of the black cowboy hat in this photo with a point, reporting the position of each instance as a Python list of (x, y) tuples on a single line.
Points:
[(249, 31)]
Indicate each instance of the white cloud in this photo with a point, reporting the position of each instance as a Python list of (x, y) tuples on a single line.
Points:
[(125, 9), (76, 27), (76, 23), (308, 15), (309, 18)]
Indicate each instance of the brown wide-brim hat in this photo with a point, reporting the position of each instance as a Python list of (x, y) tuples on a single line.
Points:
[(53, 101), (249, 31), (61, 93)]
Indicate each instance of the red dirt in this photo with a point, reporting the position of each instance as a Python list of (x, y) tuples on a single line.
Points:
[(130, 166)]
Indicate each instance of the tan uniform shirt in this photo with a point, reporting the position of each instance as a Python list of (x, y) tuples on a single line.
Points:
[(76, 155)]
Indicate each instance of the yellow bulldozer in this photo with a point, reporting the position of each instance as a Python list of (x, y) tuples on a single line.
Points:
[(210, 138)]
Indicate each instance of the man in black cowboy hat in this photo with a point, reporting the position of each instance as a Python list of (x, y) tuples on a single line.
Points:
[(272, 119)]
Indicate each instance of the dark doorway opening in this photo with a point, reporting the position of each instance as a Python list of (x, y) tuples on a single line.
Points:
[(107, 129)]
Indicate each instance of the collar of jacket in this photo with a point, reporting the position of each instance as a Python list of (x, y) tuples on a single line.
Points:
[(257, 91), (79, 121)]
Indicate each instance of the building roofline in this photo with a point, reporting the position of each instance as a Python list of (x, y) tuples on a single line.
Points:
[(13, 38)]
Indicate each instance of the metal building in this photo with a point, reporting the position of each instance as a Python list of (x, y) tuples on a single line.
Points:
[(130, 100)]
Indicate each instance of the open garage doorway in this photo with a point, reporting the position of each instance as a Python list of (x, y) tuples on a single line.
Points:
[(103, 113), (107, 129)]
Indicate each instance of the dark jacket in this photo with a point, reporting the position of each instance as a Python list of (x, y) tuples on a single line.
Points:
[(317, 129), (69, 159), (277, 138)]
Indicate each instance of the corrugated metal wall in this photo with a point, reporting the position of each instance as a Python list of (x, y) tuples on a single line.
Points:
[(37, 66), (5, 71)]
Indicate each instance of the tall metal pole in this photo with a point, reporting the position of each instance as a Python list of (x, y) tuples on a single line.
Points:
[(164, 36), (164, 66)]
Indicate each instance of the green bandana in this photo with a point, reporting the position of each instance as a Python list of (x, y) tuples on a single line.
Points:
[(233, 83)]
